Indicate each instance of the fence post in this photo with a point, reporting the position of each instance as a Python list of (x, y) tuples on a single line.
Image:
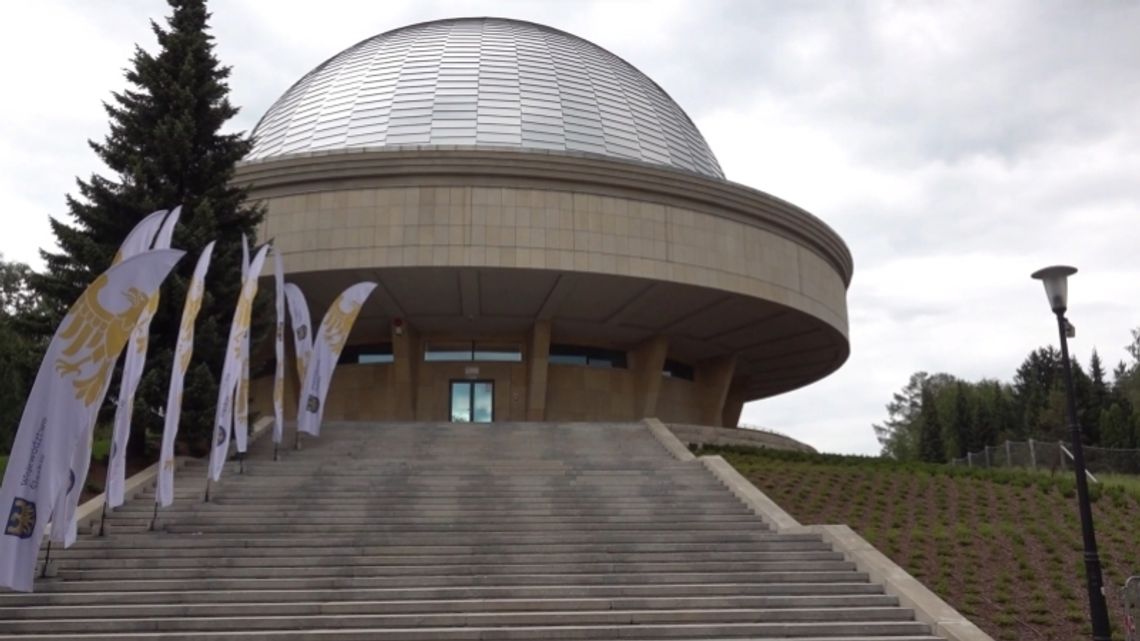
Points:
[(986, 449), (1008, 454), (1061, 453), (1032, 455), (969, 459)]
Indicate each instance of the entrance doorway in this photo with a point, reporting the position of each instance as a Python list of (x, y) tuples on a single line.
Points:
[(472, 401)]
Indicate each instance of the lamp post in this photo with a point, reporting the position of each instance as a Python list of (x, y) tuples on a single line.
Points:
[(1055, 280)]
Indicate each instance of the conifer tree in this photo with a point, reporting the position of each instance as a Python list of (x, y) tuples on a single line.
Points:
[(963, 423), (165, 148), (930, 447)]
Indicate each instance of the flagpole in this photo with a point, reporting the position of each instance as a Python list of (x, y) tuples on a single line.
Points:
[(47, 560), (103, 515), (207, 499), (154, 518)]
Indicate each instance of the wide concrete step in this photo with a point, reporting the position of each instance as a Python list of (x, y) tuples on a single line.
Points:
[(330, 582), (829, 631), (149, 543), (349, 567), (384, 522), (63, 593), (487, 535), (578, 559), (461, 618), (126, 609)]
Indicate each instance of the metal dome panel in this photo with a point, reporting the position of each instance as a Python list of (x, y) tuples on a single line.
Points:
[(484, 82)]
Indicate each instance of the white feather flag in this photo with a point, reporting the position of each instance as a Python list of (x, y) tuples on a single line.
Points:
[(327, 345), (164, 488), (62, 405), (64, 531), (231, 369), (132, 373), (279, 350)]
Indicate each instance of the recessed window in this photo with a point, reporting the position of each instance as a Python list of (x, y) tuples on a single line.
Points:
[(587, 356), (677, 369), (369, 354), (472, 352)]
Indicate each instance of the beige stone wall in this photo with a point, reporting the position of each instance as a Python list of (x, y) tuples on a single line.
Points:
[(549, 228), (574, 393), (580, 393), (680, 401)]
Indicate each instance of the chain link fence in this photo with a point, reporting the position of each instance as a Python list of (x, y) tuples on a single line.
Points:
[(1045, 455)]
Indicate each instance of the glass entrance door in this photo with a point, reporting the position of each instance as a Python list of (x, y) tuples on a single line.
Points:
[(472, 401)]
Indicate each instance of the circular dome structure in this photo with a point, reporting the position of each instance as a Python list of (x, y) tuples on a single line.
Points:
[(550, 236), (483, 82)]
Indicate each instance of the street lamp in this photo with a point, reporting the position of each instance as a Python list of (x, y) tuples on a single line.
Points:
[(1057, 290)]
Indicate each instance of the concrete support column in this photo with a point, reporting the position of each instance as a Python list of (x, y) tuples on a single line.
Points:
[(713, 378), (538, 360), (733, 406), (648, 362), (405, 358)]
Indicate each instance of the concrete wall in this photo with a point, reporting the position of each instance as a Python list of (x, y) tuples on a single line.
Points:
[(579, 393), (573, 392), (711, 435), (551, 229), (679, 401)]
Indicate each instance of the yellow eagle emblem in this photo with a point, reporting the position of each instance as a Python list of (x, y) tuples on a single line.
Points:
[(21, 519), (96, 335), (338, 323), (186, 329)]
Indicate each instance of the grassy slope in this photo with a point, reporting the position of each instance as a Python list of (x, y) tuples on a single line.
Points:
[(1003, 547)]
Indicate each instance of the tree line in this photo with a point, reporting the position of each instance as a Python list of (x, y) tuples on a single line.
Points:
[(166, 147), (938, 417)]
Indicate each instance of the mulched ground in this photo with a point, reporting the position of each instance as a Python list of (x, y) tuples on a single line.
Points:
[(1004, 549)]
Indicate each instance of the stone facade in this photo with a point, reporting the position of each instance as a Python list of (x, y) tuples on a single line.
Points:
[(536, 249)]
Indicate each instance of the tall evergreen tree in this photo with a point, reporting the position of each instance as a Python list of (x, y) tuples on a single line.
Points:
[(930, 446), (1098, 399), (165, 148), (898, 435), (963, 424)]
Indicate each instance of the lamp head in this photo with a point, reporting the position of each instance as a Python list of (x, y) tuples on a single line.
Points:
[(1056, 281)]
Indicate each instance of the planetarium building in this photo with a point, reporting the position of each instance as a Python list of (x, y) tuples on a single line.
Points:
[(552, 237)]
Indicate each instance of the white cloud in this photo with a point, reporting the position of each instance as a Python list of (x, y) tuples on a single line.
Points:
[(956, 147)]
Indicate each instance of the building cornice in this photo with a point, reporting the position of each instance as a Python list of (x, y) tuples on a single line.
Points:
[(510, 167)]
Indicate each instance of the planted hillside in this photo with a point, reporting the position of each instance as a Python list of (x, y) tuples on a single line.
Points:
[(1002, 546)]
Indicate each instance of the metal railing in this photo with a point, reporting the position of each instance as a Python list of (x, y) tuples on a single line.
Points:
[(1052, 455)]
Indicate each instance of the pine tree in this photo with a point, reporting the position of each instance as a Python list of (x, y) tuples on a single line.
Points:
[(930, 447), (165, 148), (1096, 402), (898, 435), (963, 425)]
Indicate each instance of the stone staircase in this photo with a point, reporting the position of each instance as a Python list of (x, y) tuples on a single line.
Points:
[(440, 531)]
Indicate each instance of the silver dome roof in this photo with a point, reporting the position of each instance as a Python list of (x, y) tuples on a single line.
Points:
[(488, 82)]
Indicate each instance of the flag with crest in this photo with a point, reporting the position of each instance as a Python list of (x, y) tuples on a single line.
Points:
[(327, 345), (164, 488), (132, 373), (241, 399), (63, 402), (302, 328), (231, 368), (64, 530), (279, 350)]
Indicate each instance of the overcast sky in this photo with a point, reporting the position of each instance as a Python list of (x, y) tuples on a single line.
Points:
[(955, 146)]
